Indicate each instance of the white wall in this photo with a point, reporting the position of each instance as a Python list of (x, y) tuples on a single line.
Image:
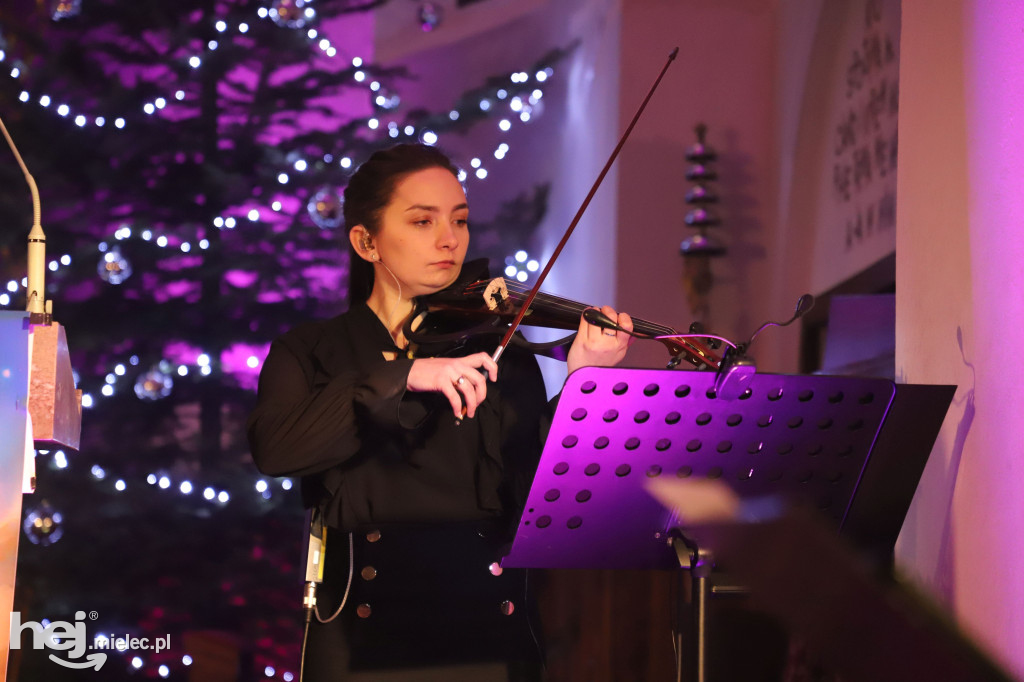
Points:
[(960, 305)]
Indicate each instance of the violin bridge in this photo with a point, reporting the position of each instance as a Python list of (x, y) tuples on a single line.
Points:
[(496, 294)]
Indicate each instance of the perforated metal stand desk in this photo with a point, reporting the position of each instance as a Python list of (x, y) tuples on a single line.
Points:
[(853, 448)]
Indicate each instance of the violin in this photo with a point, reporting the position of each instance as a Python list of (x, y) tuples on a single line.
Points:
[(478, 306)]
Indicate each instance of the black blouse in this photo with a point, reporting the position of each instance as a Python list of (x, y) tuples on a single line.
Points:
[(332, 410), (431, 504)]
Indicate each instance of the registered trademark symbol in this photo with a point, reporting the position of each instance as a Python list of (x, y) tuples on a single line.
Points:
[(93, 615)]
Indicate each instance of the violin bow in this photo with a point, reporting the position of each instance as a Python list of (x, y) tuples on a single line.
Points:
[(525, 307)]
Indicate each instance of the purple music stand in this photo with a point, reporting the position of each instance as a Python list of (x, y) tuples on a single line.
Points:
[(851, 447)]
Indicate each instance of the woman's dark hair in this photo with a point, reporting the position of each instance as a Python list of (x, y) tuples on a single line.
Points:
[(369, 192)]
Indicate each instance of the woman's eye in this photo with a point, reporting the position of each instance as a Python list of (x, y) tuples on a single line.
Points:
[(422, 222)]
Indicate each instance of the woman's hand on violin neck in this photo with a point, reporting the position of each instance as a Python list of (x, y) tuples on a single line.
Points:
[(459, 379), (597, 347)]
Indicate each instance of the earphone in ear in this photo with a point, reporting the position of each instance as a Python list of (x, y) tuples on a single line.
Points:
[(367, 244)]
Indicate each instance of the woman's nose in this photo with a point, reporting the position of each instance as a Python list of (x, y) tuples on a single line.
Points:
[(446, 237)]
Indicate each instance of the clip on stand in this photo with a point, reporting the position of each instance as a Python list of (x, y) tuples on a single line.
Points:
[(851, 447)]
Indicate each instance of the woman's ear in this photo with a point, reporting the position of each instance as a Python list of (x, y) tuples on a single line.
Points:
[(362, 243)]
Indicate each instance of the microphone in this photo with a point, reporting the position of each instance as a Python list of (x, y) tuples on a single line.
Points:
[(737, 368), (36, 305)]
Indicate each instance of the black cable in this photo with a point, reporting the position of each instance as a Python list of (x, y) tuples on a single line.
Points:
[(302, 654), (348, 585)]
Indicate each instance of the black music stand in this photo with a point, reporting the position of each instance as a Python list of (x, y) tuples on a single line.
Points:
[(851, 447)]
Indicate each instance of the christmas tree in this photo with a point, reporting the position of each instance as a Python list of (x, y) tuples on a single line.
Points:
[(191, 157)]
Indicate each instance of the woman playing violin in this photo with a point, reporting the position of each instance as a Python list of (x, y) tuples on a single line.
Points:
[(425, 461)]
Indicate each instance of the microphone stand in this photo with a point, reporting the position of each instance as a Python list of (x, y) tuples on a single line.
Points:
[(36, 305)]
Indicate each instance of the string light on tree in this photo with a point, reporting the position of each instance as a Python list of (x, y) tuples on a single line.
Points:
[(288, 13), (383, 101), (520, 266)]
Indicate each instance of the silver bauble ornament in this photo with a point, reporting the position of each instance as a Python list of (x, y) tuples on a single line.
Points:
[(326, 208), (64, 9), (153, 385), (43, 525), (114, 267), (288, 13)]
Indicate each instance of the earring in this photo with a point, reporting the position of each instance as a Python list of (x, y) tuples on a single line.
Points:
[(374, 256)]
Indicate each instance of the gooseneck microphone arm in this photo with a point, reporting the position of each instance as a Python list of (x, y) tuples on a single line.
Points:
[(737, 369), (36, 298), (803, 305)]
